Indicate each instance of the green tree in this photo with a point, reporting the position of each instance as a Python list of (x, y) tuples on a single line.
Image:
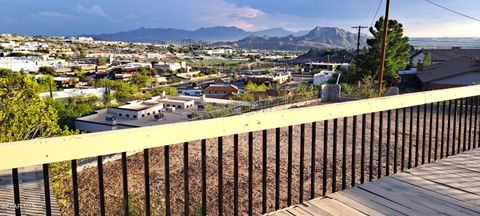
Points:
[(428, 59), (78, 71), (101, 61), (397, 55), (252, 87), (172, 91), (75, 107), (23, 115), (141, 79), (47, 70), (123, 92)]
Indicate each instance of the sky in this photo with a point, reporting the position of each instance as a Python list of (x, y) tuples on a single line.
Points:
[(76, 17)]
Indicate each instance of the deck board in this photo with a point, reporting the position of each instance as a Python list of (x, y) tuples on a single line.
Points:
[(450, 186)]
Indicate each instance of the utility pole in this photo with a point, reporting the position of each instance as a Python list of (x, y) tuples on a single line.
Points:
[(384, 49), (358, 39)]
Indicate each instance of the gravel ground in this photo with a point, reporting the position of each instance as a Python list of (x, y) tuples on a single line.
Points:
[(88, 178)]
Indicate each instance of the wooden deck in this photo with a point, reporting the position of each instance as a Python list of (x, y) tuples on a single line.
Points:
[(447, 187)]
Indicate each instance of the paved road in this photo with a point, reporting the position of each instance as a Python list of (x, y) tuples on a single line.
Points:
[(32, 198)]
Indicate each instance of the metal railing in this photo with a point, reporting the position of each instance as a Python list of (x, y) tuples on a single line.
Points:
[(328, 148)]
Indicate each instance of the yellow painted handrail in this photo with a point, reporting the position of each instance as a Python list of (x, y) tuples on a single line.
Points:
[(47, 150)]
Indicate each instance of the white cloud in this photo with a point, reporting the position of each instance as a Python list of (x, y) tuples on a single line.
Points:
[(95, 10), (52, 14)]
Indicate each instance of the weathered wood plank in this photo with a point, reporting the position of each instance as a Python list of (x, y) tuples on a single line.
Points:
[(335, 208), (378, 203), (308, 206), (298, 211), (434, 199), (446, 190), (369, 208), (400, 197)]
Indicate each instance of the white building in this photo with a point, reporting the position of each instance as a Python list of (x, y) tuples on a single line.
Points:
[(30, 63), (157, 110), (173, 66), (69, 93)]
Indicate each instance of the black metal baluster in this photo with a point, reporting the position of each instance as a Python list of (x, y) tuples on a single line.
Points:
[(387, 156), (372, 139), (410, 144), (404, 131), (344, 154), (235, 174), (264, 172), (250, 173), (447, 152), (101, 190), (436, 130), (444, 104), (314, 152), (325, 161), (125, 183), (417, 136), (430, 136), (76, 208), (454, 140), (354, 148), (362, 150), (470, 124), (46, 188), (380, 140), (460, 127), (204, 177), (424, 136), (302, 157), (16, 193), (395, 148), (146, 168), (465, 124), (186, 192), (277, 168), (334, 156), (476, 123), (166, 154), (289, 169), (220, 175)]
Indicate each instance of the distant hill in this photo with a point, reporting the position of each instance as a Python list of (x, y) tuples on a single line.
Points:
[(319, 37), (445, 43), (217, 33)]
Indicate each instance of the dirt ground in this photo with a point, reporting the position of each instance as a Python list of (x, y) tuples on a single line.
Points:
[(88, 178)]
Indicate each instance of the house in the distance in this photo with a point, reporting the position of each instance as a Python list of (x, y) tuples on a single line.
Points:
[(220, 90), (456, 72)]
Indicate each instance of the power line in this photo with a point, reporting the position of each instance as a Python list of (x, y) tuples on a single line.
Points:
[(376, 13), (453, 11)]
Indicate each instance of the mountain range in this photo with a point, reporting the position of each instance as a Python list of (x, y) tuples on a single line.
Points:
[(217, 33), (270, 39), (319, 37)]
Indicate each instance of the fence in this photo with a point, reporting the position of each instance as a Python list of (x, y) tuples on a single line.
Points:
[(239, 164)]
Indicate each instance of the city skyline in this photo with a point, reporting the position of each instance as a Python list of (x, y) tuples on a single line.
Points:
[(420, 18)]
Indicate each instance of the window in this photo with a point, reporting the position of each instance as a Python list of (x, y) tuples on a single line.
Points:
[(153, 112), (128, 115), (119, 114), (179, 106), (148, 113), (143, 115), (134, 116)]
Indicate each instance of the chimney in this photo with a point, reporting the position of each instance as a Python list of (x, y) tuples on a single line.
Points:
[(419, 66)]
